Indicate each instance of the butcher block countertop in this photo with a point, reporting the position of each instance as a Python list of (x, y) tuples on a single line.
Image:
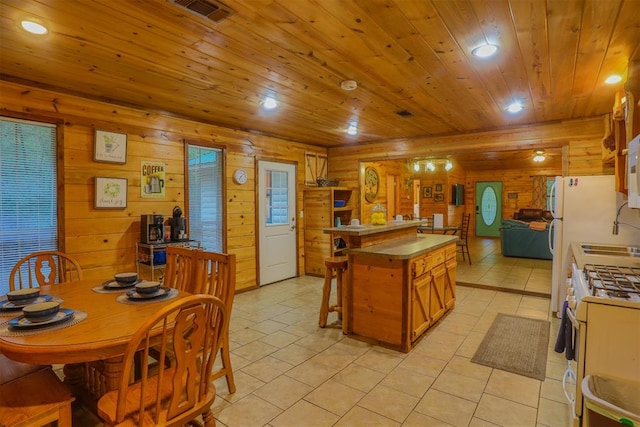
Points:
[(407, 247), (366, 229)]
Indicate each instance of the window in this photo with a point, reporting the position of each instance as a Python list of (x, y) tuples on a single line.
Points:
[(205, 183), (277, 198), (28, 198)]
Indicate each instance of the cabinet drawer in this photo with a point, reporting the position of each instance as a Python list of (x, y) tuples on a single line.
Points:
[(436, 258), (419, 267), (450, 252), (423, 265)]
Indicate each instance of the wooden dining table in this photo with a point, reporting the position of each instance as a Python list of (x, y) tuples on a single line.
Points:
[(92, 349), (446, 229)]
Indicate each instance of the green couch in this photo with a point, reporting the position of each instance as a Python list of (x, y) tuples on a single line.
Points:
[(518, 239)]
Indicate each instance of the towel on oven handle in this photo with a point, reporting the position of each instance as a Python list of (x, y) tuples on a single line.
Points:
[(565, 341)]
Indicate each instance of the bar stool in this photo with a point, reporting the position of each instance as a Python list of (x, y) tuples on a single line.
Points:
[(339, 265)]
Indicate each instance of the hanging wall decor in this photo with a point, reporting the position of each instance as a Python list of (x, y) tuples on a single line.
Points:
[(371, 184), (152, 179), (110, 147), (111, 193)]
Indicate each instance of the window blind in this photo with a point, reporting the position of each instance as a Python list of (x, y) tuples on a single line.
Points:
[(205, 197), (28, 198)]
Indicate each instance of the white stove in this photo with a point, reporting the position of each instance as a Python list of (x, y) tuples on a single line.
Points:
[(604, 310), (605, 284)]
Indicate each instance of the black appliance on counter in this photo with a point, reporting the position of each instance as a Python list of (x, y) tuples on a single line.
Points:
[(178, 225), (152, 228)]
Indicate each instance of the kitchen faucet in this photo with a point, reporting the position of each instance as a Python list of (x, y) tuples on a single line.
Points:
[(615, 222)]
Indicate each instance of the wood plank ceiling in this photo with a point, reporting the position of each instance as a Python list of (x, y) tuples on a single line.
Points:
[(411, 59)]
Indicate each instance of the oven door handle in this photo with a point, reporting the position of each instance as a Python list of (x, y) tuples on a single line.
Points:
[(572, 318)]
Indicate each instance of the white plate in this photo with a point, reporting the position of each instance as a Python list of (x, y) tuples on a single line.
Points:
[(22, 322), (18, 305)]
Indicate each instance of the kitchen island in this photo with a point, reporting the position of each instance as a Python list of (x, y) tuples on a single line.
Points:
[(363, 235), (398, 289)]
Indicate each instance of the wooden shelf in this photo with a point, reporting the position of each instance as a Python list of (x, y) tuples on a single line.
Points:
[(320, 212)]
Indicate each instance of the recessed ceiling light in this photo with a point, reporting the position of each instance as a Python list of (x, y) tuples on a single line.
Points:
[(348, 85), (485, 51), (269, 103), (34, 27), (613, 79), (515, 107)]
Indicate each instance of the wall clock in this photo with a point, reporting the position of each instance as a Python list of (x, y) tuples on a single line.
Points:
[(371, 184), (240, 176)]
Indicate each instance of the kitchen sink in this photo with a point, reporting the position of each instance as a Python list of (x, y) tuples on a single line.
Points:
[(611, 250)]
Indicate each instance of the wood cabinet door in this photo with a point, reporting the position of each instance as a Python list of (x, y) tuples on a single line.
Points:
[(420, 319), (450, 284), (437, 304)]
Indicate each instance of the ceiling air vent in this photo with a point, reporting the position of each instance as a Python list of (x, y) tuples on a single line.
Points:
[(404, 113), (210, 9)]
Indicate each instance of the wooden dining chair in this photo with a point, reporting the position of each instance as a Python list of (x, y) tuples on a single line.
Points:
[(32, 395), (44, 268), (180, 269), (463, 243), (191, 328), (216, 275), (200, 272)]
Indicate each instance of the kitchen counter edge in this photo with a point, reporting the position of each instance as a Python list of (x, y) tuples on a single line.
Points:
[(366, 229), (406, 248)]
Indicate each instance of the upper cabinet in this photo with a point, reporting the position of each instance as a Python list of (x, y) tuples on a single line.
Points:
[(626, 123)]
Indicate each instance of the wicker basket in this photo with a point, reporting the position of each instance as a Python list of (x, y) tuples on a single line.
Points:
[(324, 182)]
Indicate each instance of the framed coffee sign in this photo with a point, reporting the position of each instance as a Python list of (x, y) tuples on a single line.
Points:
[(152, 179), (110, 147)]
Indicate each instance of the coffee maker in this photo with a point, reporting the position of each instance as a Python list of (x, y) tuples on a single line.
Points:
[(178, 225), (152, 228)]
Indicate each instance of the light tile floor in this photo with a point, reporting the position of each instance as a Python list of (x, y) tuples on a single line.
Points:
[(289, 372), (490, 269)]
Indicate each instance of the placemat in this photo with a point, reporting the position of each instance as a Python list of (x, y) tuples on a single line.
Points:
[(101, 290), (13, 312), (124, 299), (78, 316)]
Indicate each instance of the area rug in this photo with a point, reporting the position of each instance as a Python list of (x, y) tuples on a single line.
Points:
[(515, 344)]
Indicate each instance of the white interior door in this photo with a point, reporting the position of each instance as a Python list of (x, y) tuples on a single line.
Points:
[(277, 218)]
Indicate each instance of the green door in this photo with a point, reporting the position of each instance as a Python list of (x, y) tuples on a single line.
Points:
[(488, 208)]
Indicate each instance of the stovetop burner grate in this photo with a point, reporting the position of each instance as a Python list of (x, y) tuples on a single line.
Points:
[(616, 281)]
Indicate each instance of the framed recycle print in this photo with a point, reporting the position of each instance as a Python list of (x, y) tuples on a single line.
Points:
[(110, 147), (111, 193), (427, 192)]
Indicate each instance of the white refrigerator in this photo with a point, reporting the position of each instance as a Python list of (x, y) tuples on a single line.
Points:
[(584, 209)]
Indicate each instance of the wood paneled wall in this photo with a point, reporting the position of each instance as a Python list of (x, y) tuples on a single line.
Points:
[(104, 240), (583, 139)]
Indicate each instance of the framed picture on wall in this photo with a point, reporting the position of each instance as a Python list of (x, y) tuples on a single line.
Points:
[(427, 192), (438, 188), (110, 147), (111, 193), (438, 197)]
